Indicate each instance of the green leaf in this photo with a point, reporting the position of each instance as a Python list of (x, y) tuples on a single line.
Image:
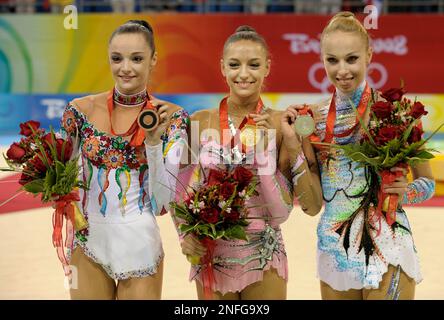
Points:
[(213, 229), (35, 186), (66, 177), (406, 134), (59, 168), (182, 212), (392, 161), (185, 228), (13, 166), (48, 187), (204, 230), (393, 146), (432, 134), (50, 179), (424, 154), (361, 157), (386, 156), (236, 232), (52, 147), (220, 234)]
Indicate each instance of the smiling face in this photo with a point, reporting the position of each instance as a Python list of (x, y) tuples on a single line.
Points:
[(131, 62), (244, 66), (346, 58)]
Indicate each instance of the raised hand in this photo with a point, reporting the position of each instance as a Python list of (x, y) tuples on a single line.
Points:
[(153, 137), (290, 138), (263, 124)]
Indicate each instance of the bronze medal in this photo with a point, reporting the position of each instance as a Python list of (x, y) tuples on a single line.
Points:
[(148, 119)]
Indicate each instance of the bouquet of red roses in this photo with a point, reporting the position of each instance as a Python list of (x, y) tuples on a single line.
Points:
[(44, 160), (393, 138), (216, 209)]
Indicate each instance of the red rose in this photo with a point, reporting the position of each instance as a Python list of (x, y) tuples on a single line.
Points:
[(394, 94), (38, 163), (15, 153), (232, 216), (227, 189), (382, 110), (67, 150), (24, 179), (25, 129), (48, 139), (415, 135), (210, 215), (417, 110), (243, 176), (215, 177), (387, 134), (58, 145)]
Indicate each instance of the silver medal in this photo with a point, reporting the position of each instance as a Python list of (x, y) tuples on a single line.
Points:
[(304, 125)]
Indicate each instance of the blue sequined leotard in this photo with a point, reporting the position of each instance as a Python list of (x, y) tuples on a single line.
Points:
[(342, 181)]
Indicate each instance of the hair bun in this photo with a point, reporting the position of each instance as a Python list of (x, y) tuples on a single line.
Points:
[(344, 15), (142, 23), (245, 28)]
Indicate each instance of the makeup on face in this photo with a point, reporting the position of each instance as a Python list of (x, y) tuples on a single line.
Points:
[(345, 59), (131, 62), (245, 66)]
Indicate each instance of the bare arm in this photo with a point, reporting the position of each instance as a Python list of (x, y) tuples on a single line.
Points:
[(300, 159)]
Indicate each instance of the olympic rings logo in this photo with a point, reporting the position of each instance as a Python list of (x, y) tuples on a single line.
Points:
[(376, 77)]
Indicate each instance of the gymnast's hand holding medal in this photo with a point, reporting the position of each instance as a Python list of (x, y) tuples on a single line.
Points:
[(297, 123), (153, 120), (256, 129), (252, 129)]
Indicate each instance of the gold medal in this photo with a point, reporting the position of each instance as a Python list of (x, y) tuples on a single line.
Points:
[(249, 135)]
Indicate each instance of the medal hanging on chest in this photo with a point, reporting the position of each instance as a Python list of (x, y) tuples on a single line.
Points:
[(247, 133), (330, 135), (135, 131)]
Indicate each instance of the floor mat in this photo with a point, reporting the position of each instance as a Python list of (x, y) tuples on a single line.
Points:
[(24, 201)]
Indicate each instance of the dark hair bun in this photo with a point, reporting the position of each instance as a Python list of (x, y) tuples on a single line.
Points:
[(245, 28), (142, 23)]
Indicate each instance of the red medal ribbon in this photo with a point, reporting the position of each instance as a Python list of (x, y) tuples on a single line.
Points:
[(138, 134), (305, 110), (331, 118), (64, 211), (223, 120)]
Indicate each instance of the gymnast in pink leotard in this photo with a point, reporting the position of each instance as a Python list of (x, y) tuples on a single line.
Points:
[(257, 268)]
